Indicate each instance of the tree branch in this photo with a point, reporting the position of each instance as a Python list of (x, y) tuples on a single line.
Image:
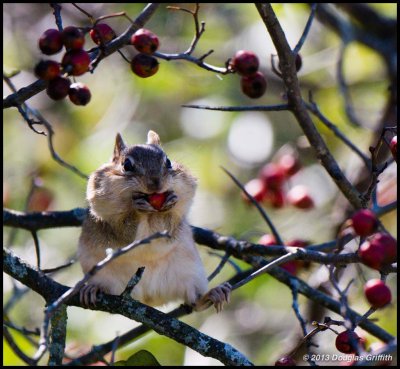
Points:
[(132, 309), (75, 217), (298, 108)]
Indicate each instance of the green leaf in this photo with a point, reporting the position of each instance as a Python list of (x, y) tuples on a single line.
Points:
[(140, 358)]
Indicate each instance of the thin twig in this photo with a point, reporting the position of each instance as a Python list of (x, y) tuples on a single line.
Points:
[(60, 267), (133, 282), (344, 89), (279, 107), (376, 170), (57, 15), (22, 106), (16, 349), (84, 12), (260, 209), (50, 134), (47, 125), (350, 321), (302, 321), (315, 110), (198, 31), (199, 62), (37, 248), (223, 261), (267, 267), (306, 29), (114, 350)]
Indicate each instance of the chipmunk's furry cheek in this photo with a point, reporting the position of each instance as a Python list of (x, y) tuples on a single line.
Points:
[(109, 194), (183, 191)]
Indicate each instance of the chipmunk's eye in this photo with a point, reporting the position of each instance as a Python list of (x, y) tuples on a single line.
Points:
[(168, 163), (128, 166)]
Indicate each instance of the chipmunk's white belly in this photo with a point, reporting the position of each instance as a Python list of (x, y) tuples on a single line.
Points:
[(173, 271)]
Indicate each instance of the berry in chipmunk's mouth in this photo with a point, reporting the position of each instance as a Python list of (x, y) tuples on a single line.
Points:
[(156, 200)]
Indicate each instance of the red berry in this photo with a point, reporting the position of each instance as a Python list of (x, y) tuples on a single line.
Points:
[(145, 41), (254, 86), (372, 254), (285, 361), (297, 243), (50, 42), (343, 342), (377, 293), (272, 175), (156, 200), (105, 32), (275, 198), (267, 240), (380, 249), (364, 222), (144, 65), (388, 243), (47, 70), (393, 147), (79, 94), (58, 88), (289, 164), (79, 60), (245, 63), (72, 38), (299, 197), (298, 62), (256, 188)]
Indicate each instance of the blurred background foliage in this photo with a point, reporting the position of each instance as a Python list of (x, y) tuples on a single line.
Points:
[(260, 321)]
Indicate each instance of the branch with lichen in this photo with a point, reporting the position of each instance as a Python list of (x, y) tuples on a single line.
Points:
[(130, 308)]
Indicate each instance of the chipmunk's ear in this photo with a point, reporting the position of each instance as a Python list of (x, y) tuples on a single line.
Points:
[(119, 146), (153, 139)]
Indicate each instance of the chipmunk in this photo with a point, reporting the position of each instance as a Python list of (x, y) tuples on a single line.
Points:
[(120, 211)]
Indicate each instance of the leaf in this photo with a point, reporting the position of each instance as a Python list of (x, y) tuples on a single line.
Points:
[(140, 358)]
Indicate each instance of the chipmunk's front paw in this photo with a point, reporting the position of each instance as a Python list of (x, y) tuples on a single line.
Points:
[(88, 294), (217, 296), (142, 204), (170, 200)]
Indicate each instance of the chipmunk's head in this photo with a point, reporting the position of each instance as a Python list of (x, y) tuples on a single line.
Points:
[(147, 164), (136, 173)]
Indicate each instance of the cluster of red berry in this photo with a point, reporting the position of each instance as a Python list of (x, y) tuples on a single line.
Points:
[(144, 64), (378, 250), (268, 187), (75, 62), (253, 82)]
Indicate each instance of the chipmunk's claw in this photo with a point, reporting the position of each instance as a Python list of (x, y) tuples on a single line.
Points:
[(217, 296), (88, 294)]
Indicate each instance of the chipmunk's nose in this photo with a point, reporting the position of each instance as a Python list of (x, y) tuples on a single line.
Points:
[(153, 184)]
